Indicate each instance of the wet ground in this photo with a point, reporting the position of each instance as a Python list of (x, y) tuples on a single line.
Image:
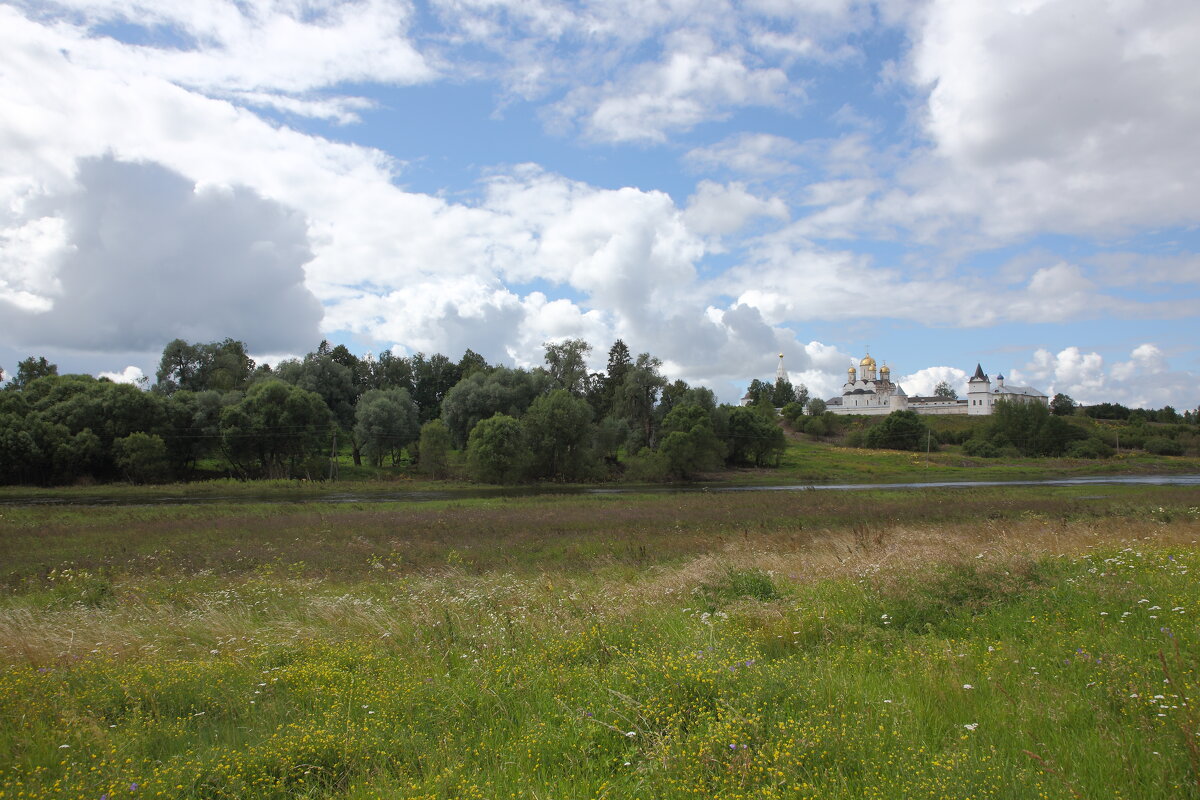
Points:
[(325, 496)]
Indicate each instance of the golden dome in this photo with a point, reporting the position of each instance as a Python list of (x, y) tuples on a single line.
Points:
[(867, 361), (851, 370), (886, 370)]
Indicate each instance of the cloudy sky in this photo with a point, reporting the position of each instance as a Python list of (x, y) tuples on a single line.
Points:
[(1011, 182)]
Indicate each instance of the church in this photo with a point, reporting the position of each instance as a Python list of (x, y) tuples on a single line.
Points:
[(871, 391)]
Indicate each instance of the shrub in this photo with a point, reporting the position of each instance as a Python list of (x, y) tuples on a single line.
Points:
[(816, 427), (793, 411), (900, 430), (980, 448), (142, 458), (856, 438), (1162, 446), (1089, 448), (433, 450), (498, 451), (648, 466)]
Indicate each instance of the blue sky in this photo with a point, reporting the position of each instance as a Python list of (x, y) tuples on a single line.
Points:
[(1013, 183)]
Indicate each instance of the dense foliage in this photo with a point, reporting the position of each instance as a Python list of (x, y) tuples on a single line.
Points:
[(214, 412)]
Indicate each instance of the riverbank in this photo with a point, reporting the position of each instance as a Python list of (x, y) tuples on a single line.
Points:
[(804, 463)]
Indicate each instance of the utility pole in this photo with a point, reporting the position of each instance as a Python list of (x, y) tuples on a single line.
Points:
[(333, 458)]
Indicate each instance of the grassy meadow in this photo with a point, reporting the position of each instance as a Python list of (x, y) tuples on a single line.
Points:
[(1018, 642)]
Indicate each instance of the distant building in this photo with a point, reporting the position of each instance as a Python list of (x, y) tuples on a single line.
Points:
[(868, 391)]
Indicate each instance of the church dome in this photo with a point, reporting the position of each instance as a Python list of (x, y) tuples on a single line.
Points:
[(867, 362), (886, 370)]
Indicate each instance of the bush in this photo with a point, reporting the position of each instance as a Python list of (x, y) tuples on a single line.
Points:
[(1162, 446), (142, 458), (816, 427), (433, 450), (980, 448), (648, 466), (1089, 448), (498, 451), (901, 430), (856, 438), (793, 412)]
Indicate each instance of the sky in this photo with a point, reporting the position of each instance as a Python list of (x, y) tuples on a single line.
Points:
[(939, 183)]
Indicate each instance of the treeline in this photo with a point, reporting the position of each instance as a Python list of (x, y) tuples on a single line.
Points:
[(1026, 429), (213, 410)]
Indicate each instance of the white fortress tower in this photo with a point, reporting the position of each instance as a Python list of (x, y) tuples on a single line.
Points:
[(979, 394)]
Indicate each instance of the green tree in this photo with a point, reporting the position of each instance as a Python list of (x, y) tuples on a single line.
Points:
[(566, 362), (82, 454), (558, 427), (470, 363), (802, 394), (611, 433), (619, 363), (322, 373), (945, 391), (484, 394), (793, 412), (192, 426), (1031, 429), (387, 371), (639, 395), (753, 438), (432, 378), (385, 421), (222, 366), (900, 430), (30, 370), (1107, 411), (760, 393), (142, 458), (782, 393), (689, 442), (433, 450), (498, 451), (817, 407), (277, 430), (1062, 405)]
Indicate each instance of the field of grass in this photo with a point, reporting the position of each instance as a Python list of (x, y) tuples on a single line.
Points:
[(1011, 642), (808, 461)]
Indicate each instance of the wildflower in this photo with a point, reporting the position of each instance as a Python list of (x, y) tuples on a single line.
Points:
[(631, 734), (968, 686), (971, 726)]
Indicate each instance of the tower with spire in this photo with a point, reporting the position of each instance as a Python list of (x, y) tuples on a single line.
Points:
[(780, 373), (979, 394)]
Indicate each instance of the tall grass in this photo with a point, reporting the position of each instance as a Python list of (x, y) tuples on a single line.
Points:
[(1012, 644)]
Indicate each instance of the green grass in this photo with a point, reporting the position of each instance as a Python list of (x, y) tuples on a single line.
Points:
[(1011, 643), (808, 461)]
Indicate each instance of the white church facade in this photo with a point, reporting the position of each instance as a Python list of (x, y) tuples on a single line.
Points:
[(871, 391)]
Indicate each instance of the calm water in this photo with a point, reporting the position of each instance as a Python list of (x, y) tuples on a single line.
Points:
[(533, 491)]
